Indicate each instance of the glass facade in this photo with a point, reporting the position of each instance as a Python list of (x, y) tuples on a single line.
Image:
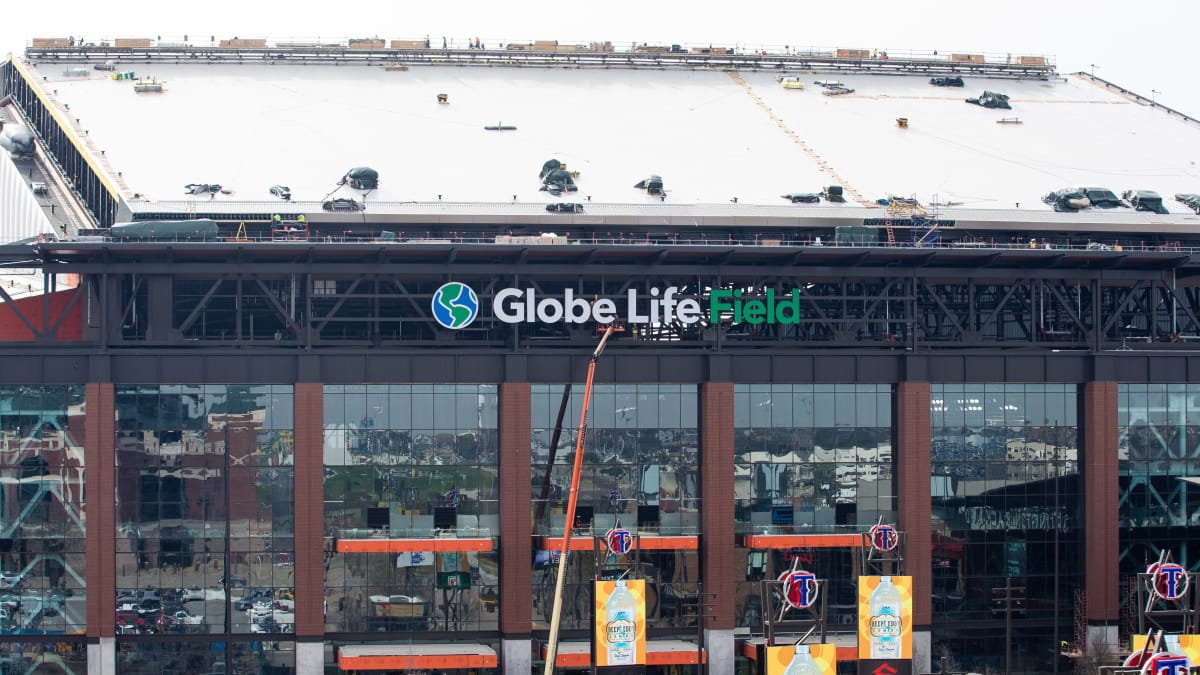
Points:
[(42, 532), (1159, 474), (249, 658), (60, 658), (205, 511), (1006, 504), (411, 461), (810, 459), (640, 467)]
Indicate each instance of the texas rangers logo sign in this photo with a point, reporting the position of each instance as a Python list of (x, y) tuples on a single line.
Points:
[(452, 498), (884, 537), (1166, 664), (619, 540), (1169, 580), (800, 588)]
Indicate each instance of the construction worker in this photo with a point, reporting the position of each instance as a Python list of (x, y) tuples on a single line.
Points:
[(443, 42), (426, 41), (276, 220)]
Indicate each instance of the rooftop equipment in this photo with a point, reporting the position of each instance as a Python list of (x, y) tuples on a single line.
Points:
[(991, 99), (1190, 200), (1103, 198), (803, 197), (946, 81), (833, 193), (201, 188), (1068, 200), (653, 185), (151, 86), (361, 178), (1145, 200)]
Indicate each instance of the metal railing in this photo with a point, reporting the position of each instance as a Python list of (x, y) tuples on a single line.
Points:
[(349, 237), (494, 43)]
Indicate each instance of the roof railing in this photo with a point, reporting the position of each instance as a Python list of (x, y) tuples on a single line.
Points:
[(420, 238), (463, 43)]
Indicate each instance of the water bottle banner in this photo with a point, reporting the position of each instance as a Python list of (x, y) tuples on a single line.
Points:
[(885, 617), (1188, 645), (809, 660), (621, 623)]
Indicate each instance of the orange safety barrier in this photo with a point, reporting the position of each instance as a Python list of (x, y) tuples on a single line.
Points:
[(411, 545), (778, 541)]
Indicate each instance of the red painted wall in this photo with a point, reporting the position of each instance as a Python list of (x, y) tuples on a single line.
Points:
[(13, 329)]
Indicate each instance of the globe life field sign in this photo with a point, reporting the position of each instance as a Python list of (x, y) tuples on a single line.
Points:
[(455, 306)]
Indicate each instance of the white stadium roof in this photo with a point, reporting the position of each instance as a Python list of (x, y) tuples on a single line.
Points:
[(712, 135)]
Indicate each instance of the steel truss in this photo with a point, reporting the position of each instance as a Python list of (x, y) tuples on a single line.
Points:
[(333, 296)]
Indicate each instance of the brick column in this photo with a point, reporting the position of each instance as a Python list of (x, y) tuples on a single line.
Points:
[(310, 510), (910, 417), (99, 456), (717, 537), (1098, 463), (516, 527)]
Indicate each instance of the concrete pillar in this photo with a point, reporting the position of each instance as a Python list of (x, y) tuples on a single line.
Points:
[(1098, 463), (1102, 638), (309, 410), (719, 650), (516, 656), (915, 508), (922, 651), (102, 656), (310, 658), (717, 537)]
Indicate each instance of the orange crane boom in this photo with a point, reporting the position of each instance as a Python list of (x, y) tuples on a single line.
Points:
[(552, 646)]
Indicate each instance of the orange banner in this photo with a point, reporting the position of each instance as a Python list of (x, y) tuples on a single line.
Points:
[(885, 617), (621, 623), (802, 660)]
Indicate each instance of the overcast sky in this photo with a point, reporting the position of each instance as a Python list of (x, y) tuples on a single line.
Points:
[(1144, 46)]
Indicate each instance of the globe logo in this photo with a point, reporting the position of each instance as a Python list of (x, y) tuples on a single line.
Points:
[(455, 305)]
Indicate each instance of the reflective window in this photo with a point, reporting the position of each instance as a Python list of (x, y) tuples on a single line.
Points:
[(809, 459), (1006, 498), (205, 516), (1159, 474), (42, 531), (67, 658), (640, 469), (411, 461), (252, 658)]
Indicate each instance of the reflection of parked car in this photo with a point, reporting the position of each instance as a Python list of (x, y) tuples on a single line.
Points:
[(234, 581), (186, 619), (193, 593)]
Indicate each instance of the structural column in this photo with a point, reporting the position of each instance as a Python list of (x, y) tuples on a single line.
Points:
[(516, 529), (310, 528), (99, 456), (1098, 463), (915, 508), (717, 539)]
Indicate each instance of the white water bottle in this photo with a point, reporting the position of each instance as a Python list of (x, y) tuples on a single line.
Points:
[(621, 631), (803, 663), (885, 606)]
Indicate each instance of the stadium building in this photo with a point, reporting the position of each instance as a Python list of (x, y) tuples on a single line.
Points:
[(294, 337)]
